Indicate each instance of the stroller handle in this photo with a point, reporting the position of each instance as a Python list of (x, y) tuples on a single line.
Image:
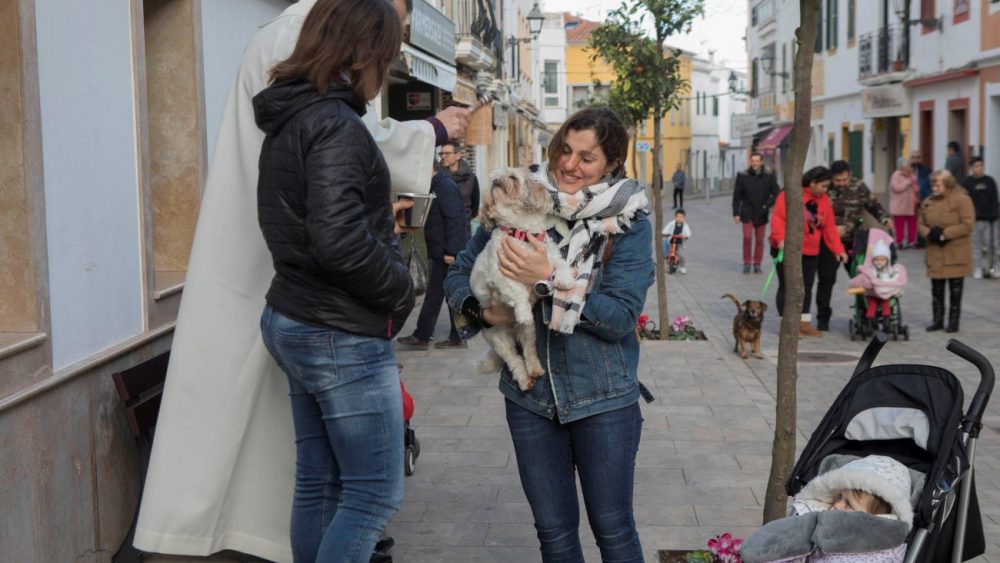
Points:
[(974, 416), (871, 352)]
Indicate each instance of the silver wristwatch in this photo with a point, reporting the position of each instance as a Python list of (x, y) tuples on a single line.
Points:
[(543, 288)]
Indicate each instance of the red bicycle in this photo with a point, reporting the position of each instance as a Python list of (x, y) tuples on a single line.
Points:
[(673, 259)]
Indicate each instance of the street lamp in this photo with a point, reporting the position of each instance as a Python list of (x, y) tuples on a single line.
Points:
[(734, 85), (535, 20), (767, 64)]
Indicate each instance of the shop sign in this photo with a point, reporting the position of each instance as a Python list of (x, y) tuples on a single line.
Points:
[(432, 31), (742, 125), (890, 100)]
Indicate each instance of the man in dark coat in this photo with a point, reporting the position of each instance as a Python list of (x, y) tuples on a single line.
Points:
[(756, 190), (465, 177), (446, 233), (850, 198)]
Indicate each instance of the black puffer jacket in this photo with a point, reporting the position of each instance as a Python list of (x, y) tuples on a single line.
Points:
[(754, 196), (323, 204)]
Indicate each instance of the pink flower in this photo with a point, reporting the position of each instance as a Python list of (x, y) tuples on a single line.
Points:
[(725, 548), (681, 323)]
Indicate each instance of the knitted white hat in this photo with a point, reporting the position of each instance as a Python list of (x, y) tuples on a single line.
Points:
[(881, 249), (881, 476)]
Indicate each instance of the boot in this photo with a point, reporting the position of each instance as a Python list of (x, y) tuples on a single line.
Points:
[(937, 305), (806, 329), (954, 303)]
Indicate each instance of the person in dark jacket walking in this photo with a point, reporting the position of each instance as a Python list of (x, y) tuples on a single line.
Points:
[(446, 235), (954, 162), (465, 177), (756, 190), (983, 191), (679, 179), (341, 290)]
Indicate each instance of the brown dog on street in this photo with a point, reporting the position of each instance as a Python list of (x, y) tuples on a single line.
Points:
[(746, 325)]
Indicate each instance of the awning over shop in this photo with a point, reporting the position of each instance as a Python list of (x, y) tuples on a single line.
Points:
[(426, 68), (774, 138)]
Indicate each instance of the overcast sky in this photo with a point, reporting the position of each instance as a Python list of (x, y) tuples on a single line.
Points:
[(721, 29)]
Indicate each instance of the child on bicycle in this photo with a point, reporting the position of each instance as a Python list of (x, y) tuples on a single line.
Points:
[(674, 235)]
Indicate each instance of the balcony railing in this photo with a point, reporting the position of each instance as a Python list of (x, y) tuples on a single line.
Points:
[(884, 51)]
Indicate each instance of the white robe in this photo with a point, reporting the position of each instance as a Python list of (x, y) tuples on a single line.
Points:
[(222, 469)]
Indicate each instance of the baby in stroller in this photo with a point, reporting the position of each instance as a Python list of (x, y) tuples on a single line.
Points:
[(858, 512), (879, 283)]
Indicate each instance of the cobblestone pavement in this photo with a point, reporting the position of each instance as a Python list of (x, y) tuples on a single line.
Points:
[(705, 450)]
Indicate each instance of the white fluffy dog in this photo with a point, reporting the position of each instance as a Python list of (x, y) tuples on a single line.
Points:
[(515, 206)]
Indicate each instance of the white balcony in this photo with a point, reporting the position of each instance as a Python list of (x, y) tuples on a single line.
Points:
[(470, 52)]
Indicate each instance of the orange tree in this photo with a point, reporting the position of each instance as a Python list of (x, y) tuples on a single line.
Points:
[(647, 84)]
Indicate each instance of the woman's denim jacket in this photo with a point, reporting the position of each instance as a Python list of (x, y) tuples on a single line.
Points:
[(593, 370)]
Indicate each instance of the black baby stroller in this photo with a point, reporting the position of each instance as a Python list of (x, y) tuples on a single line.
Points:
[(860, 255), (913, 413)]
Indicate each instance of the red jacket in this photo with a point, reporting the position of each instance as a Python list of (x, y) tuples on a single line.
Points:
[(823, 223)]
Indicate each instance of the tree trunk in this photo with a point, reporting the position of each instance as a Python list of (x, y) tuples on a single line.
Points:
[(635, 150), (783, 448), (661, 280)]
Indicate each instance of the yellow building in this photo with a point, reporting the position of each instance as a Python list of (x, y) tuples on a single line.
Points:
[(581, 72)]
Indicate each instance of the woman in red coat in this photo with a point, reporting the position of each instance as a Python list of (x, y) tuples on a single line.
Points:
[(820, 226)]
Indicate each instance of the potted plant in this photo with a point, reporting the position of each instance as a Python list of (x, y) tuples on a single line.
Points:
[(683, 329), (723, 548)]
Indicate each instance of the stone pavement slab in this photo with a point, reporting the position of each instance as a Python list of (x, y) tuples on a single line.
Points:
[(705, 452)]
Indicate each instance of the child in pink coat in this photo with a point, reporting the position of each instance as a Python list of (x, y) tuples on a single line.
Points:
[(880, 280)]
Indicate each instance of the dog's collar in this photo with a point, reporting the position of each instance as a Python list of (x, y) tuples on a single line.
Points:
[(523, 235)]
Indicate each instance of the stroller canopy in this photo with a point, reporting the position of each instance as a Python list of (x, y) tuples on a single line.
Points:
[(911, 413)]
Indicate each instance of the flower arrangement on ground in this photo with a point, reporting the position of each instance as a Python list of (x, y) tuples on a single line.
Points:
[(723, 548)]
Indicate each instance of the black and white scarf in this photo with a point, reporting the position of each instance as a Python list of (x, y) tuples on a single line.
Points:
[(596, 212)]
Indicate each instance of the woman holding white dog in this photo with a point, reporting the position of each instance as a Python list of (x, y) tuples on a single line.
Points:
[(582, 417)]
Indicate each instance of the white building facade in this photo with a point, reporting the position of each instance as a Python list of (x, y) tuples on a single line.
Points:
[(889, 77), (553, 90), (716, 155)]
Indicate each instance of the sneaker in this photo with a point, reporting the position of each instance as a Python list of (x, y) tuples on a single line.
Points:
[(993, 272), (746, 268), (413, 342), (449, 344), (756, 268), (977, 273), (823, 325), (682, 270)]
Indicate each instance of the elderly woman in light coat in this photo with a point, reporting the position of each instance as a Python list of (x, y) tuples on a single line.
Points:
[(904, 201), (947, 218)]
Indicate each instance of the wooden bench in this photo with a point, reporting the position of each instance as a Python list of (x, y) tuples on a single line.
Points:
[(140, 389)]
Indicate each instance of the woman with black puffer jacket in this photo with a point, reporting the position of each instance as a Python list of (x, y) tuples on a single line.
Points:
[(340, 290)]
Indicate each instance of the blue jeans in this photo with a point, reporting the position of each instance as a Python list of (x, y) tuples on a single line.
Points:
[(348, 415), (601, 449)]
